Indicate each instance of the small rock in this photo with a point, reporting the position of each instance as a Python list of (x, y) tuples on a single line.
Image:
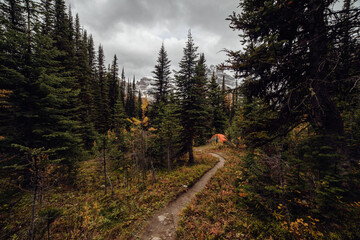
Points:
[(156, 238), (161, 218)]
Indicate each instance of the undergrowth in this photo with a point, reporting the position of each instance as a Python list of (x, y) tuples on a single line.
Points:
[(85, 212), (229, 208)]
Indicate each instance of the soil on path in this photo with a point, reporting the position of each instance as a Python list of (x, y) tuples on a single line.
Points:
[(163, 225)]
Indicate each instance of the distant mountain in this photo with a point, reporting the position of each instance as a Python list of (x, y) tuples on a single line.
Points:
[(145, 83)]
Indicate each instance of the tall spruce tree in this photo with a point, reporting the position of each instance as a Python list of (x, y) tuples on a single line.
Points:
[(185, 80), (122, 86), (84, 81), (218, 118), (62, 35), (201, 111), (103, 110), (161, 86), (138, 106), (114, 88), (161, 76)]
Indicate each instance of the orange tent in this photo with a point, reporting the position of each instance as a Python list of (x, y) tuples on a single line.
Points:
[(218, 138)]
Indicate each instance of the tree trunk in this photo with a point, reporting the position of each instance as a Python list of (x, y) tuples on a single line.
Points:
[(168, 158), (190, 150), (325, 115), (48, 229), (104, 162), (111, 186), (32, 221), (28, 31)]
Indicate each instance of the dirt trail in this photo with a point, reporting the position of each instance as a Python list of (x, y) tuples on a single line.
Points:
[(163, 225)]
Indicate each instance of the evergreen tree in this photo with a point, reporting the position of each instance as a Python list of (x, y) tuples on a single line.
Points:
[(114, 87), (300, 84), (200, 110), (133, 97), (185, 80), (103, 110), (138, 106), (161, 86), (291, 108), (218, 119), (162, 76), (170, 131), (42, 103), (224, 96), (128, 99), (119, 117), (122, 86), (15, 120), (92, 57), (62, 35), (48, 12), (83, 75)]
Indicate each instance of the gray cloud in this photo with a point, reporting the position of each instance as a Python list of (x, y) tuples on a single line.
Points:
[(135, 29)]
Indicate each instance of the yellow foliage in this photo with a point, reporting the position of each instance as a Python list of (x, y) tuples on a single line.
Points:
[(144, 105), (5, 93), (145, 120), (136, 121)]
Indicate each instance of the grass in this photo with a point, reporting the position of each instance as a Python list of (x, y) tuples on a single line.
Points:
[(87, 213), (213, 214)]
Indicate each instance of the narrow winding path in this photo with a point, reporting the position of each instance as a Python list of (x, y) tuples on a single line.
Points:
[(163, 225)]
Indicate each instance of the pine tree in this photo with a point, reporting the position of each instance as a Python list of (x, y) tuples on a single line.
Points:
[(170, 131), (293, 78), (200, 111), (133, 97), (302, 60), (92, 57), (114, 87), (103, 110), (17, 118), (128, 99), (119, 117), (161, 76), (42, 104), (122, 86), (62, 35), (84, 78), (185, 80), (224, 96), (138, 106), (218, 119), (48, 12)]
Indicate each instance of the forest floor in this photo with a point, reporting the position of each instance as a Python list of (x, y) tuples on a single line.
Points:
[(214, 213), (164, 223), (88, 213)]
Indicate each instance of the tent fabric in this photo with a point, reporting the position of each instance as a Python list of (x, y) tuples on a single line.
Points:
[(219, 138)]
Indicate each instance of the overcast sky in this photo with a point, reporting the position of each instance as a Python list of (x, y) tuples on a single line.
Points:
[(135, 29)]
